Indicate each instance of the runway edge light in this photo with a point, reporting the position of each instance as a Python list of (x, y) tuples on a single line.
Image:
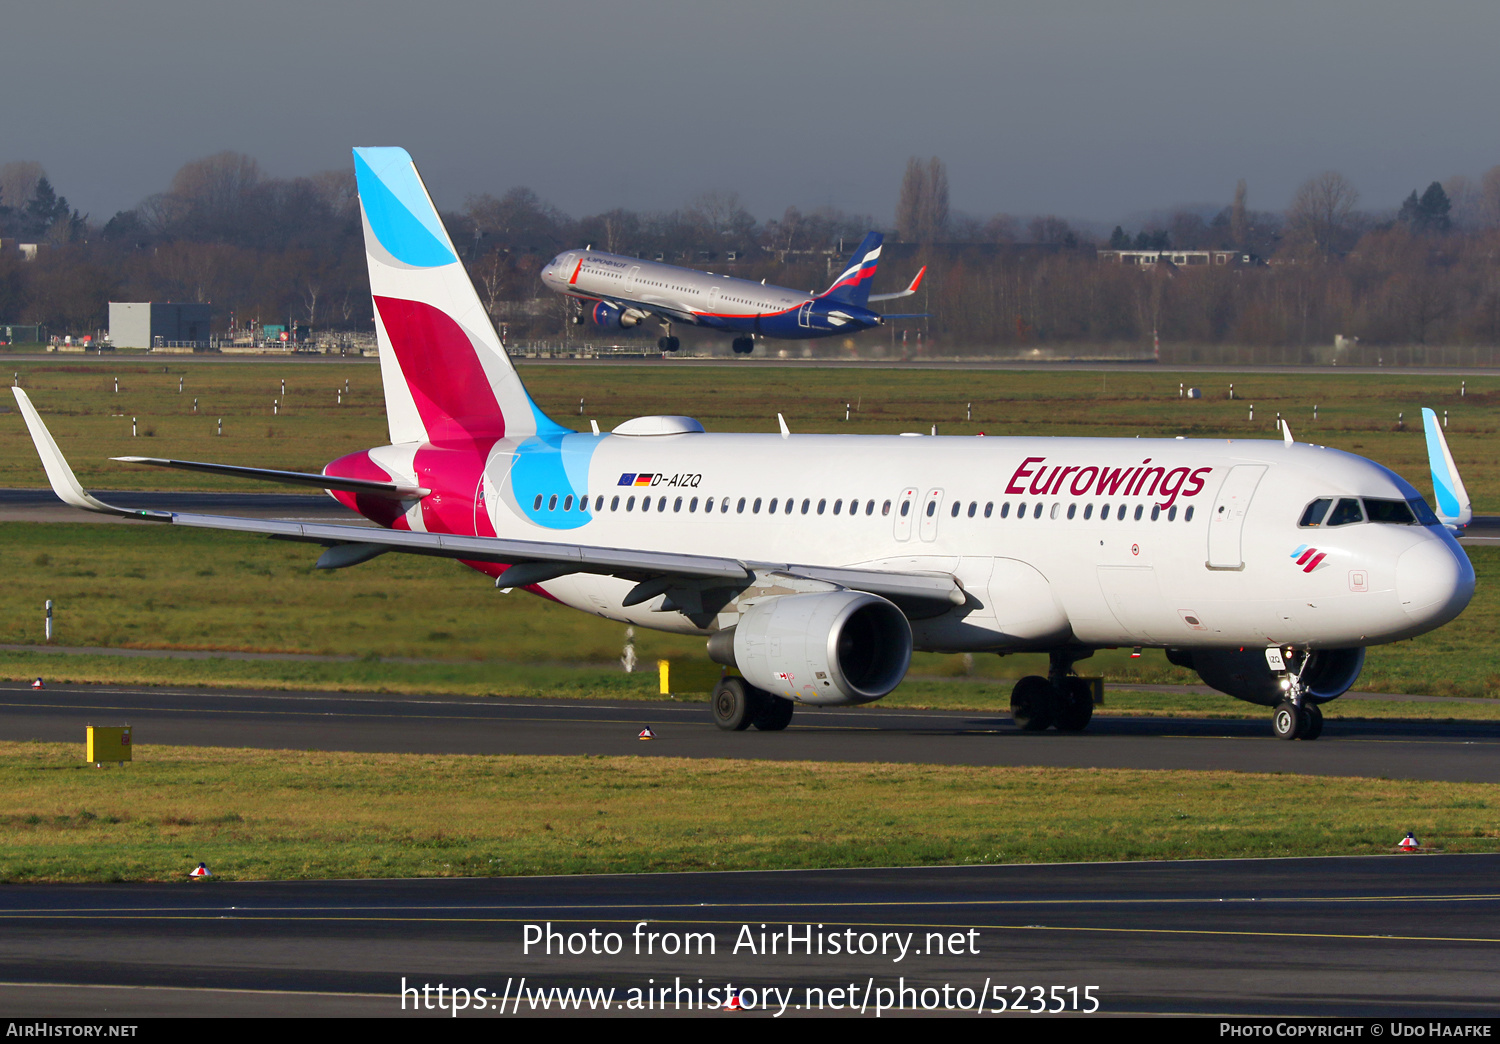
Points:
[(201, 871), (646, 733), (1409, 843), (37, 684)]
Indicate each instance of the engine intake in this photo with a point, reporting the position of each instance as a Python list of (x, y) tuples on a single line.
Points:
[(829, 648), (1326, 674)]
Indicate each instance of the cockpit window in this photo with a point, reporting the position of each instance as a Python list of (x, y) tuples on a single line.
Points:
[(1424, 514), (1313, 516), (1390, 512), (1346, 512)]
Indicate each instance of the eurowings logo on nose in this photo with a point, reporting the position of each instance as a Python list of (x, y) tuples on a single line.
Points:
[(1309, 558)]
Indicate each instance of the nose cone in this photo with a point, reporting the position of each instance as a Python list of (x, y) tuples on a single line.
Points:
[(1434, 582)]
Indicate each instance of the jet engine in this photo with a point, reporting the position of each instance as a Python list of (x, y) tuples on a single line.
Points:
[(827, 648), (1324, 674), (613, 317)]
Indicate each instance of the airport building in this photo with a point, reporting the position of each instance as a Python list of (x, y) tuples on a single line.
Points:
[(151, 324), (1180, 258)]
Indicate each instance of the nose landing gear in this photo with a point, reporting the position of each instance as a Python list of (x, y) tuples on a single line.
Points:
[(1291, 722)]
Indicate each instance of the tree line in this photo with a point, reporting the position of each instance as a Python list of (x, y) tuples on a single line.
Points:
[(273, 250)]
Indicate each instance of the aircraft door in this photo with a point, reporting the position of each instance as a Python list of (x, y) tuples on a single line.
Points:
[(1228, 518), (932, 505), (804, 318), (906, 507), (713, 299), (630, 278)]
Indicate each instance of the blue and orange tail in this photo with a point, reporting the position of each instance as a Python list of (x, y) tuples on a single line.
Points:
[(853, 284), (446, 376)]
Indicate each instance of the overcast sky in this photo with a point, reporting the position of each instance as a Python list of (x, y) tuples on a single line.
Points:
[(1089, 110)]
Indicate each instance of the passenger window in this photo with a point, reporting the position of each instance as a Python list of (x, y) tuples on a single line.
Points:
[(724, 507), (953, 512), (1088, 512), (989, 509), (1053, 513), (787, 509), (1187, 515), (837, 505), (1155, 512), (1139, 510), (552, 503), (630, 504), (693, 504), (931, 508), (739, 508), (756, 509), (886, 509), (1104, 513), (1072, 510), (973, 507), (1038, 512), (1021, 510), (1005, 510), (568, 502), (645, 503), (599, 503), (538, 505), (661, 505), (1172, 513), (805, 504), (1346, 512), (1120, 515), (774, 502), (614, 504), (1313, 516), (905, 507), (870, 508), (821, 505)]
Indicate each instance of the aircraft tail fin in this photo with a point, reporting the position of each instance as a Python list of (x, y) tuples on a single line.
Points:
[(1453, 506), (853, 284), (446, 376)]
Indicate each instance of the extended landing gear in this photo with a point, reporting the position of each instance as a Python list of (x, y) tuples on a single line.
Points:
[(1291, 722), (743, 345), (1063, 700), (668, 343), (737, 705)]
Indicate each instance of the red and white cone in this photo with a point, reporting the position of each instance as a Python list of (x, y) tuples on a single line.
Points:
[(38, 684), (646, 733), (1409, 843), (733, 1003), (201, 871)]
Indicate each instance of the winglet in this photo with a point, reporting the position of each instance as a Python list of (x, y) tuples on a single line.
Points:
[(785, 431), (1453, 507), (64, 483), (1286, 432)]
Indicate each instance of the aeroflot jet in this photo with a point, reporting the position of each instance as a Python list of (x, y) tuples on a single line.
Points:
[(815, 564), (626, 291)]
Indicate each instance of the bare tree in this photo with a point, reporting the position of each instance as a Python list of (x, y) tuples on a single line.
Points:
[(18, 181), (909, 205), (1489, 199), (1322, 212), (1239, 220)]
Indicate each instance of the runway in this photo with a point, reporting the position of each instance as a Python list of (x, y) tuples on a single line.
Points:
[(1385, 936), (1458, 751)]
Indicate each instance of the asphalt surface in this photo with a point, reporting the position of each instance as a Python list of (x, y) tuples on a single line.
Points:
[(1459, 751), (1384, 936)]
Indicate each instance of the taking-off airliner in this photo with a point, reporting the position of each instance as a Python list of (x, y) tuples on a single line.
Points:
[(626, 291), (815, 564)]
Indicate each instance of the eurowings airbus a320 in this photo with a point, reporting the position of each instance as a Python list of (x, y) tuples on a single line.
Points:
[(622, 292), (814, 565)]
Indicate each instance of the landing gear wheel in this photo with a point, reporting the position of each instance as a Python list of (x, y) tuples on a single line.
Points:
[(1077, 706), (1033, 703), (1314, 722), (1289, 722), (744, 345), (735, 704), (775, 713), (668, 344)]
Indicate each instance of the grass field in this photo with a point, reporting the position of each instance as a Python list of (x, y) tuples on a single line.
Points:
[(252, 814), (1355, 412), (156, 587)]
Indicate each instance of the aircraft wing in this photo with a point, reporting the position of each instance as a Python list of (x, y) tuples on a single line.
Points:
[(903, 293), (530, 561)]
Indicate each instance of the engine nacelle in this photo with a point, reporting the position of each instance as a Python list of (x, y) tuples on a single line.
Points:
[(1326, 674), (827, 648), (613, 317)]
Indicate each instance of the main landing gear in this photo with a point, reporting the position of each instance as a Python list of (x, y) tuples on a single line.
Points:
[(737, 705), (668, 343), (1062, 699), (1291, 722), (743, 345)]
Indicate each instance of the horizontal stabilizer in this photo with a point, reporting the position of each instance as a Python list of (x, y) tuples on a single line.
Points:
[(1453, 506), (370, 487)]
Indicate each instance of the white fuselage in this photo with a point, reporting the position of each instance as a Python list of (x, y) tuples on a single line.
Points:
[(1207, 553)]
